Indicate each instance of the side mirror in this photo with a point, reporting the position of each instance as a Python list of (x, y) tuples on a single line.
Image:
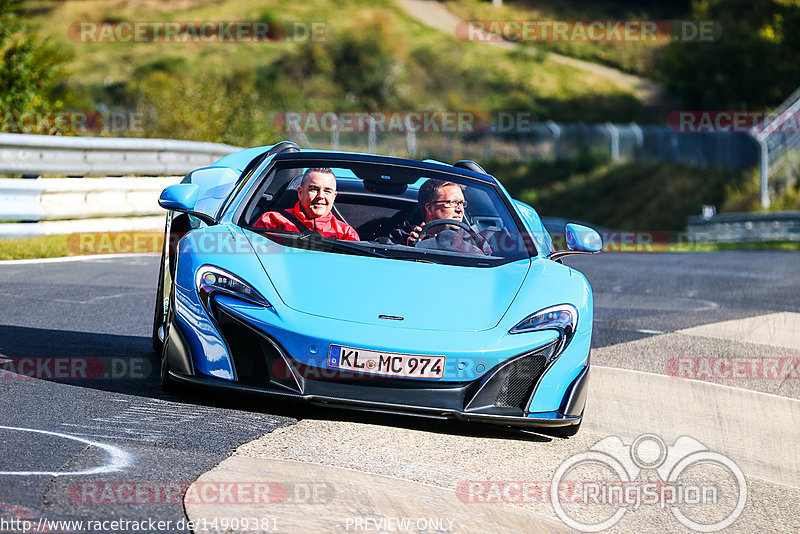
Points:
[(582, 238), (179, 197), (182, 198)]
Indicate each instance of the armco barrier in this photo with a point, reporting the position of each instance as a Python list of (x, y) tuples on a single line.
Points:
[(745, 227), (103, 156), (66, 205)]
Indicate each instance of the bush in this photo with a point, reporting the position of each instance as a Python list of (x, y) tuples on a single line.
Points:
[(29, 71), (630, 196)]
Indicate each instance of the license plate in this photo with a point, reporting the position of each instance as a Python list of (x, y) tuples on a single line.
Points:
[(386, 363)]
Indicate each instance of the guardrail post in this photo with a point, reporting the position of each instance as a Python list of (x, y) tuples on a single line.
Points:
[(763, 170), (613, 133), (372, 139), (639, 136), (411, 137), (335, 133), (556, 130)]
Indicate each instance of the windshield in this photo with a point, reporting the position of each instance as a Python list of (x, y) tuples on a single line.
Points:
[(387, 211)]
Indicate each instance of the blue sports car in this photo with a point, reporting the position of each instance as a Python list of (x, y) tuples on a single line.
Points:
[(469, 316)]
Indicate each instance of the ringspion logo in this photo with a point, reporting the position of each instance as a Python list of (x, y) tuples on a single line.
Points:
[(704, 490)]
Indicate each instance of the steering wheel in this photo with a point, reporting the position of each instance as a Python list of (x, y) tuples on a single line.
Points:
[(476, 239)]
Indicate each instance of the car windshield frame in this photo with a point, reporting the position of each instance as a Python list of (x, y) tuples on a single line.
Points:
[(260, 180)]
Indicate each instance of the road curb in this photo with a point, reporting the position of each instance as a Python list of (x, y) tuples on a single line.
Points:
[(758, 431), (321, 498)]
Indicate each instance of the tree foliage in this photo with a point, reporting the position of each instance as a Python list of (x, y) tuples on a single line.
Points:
[(30, 70), (753, 65)]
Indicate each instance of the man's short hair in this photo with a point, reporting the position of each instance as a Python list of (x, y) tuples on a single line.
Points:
[(324, 170), (427, 191)]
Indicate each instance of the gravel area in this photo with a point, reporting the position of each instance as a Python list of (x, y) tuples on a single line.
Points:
[(452, 456)]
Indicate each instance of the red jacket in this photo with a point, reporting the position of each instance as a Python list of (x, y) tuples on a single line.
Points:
[(328, 226)]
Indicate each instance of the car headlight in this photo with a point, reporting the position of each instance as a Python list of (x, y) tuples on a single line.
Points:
[(563, 318), (212, 280)]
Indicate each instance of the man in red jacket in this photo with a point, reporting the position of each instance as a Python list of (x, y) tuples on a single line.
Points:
[(317, 192)]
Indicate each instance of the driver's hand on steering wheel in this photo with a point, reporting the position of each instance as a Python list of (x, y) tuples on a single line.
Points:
[(413, 237)]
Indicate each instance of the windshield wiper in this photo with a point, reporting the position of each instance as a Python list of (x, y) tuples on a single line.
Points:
[(315, 238), (343, 246)]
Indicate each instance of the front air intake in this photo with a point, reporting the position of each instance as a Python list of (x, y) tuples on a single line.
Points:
[(521, 378), (257, 359), (509, 386)]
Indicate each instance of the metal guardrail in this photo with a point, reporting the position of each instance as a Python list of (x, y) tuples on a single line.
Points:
[(66, 205), (745, 227), (103, 156)]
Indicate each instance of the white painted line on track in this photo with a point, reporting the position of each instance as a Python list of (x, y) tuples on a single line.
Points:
[(118, 458), (645, 331), (88, 257), (780, 329), (703, 382)]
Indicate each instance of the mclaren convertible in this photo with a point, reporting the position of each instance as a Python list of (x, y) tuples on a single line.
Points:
[(478, 320)]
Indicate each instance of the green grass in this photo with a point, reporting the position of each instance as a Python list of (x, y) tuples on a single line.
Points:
[(628, 196), (635, 57), (53, 246), (80, 244)]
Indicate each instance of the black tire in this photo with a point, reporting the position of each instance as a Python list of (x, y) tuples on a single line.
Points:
[(164, 380), (158, 313)]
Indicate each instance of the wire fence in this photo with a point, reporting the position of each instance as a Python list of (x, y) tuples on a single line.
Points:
[(550, 140)]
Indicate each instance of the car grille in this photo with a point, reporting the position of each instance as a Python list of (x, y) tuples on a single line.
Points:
[(516, 389)]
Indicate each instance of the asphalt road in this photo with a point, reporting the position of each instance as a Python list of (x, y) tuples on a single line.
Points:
[(639, 295), (85, 326)]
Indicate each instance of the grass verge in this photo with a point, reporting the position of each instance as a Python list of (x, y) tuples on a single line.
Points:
[(49, 246)]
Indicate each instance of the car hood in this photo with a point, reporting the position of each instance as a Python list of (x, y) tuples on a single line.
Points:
[(362, 289)]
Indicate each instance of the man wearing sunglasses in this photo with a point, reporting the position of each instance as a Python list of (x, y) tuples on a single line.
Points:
[(439, 199)]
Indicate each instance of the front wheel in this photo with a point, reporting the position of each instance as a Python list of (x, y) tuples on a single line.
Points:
[(165, 381), (158, 313)]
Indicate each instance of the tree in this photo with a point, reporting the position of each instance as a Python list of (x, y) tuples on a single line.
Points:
[(29, 71), (753, 65)]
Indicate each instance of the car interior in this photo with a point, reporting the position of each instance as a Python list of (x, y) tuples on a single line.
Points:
[(372, 208)]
